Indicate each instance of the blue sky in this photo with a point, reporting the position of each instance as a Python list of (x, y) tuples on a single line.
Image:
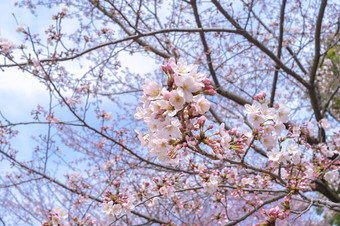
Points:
[(20, 92)]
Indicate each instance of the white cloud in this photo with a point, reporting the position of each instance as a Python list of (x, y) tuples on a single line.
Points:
[(20, 93)]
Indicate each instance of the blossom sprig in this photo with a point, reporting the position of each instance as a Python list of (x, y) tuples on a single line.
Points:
[(164, 186), (6, 47), (230, 140), (118, 203), (173, 113), (274, 214), (105, 115), (175, 117), (269, 125), (56, 217)]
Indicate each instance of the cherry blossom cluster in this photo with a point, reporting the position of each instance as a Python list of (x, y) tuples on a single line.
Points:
[(21, 28), (287, 149), (210, 180), (175, 119), (115, 205), (325, 73), (169, 112), (228, 141), (268, 121), (332, 177), (75, 180), (105, 115), (328, 156), (276, 213), (6, 46), (49, 116), (56, 217), (164, 186)]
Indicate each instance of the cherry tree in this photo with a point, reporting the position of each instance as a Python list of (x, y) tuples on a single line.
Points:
[(238, 124)]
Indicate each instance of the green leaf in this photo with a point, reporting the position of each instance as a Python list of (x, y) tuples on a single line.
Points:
[(319, 210), (336, 220)]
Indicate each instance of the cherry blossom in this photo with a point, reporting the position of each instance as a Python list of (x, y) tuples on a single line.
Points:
[(238, 127)]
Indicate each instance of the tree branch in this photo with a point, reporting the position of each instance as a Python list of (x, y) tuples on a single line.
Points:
[(43, 175), (232, 96), (315, 102), (131, 37), (256, 209), (264, 49), (329, 101), (317, 42), (288, 48), (204, 43), (279, 48)]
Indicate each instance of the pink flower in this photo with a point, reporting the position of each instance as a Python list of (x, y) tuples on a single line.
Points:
[(6, 46), (116, 209), (225, 141), (279, 128), (107, 207), (268, 113), (152, 89), (171, 129), (187, 85), (176, 100), (140, 113), (247, 181), (332, 176), (21, 28), (202, 104), (107, 115), (282, 114), (56, 220), (268, 141), (181, 68), (296, 131), (254, 108), (212, 185), (325, 124), (274, 155), (256, 119)]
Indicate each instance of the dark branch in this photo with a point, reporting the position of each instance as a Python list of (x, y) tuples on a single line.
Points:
[(205, 45), (131, 37), (317, 42), (263, 48), (279, 49), (232, 96)]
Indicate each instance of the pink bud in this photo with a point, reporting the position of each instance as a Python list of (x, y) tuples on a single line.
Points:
[(164, 68), (116, 182), (168, 67), (206, 82), (210, 92)]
